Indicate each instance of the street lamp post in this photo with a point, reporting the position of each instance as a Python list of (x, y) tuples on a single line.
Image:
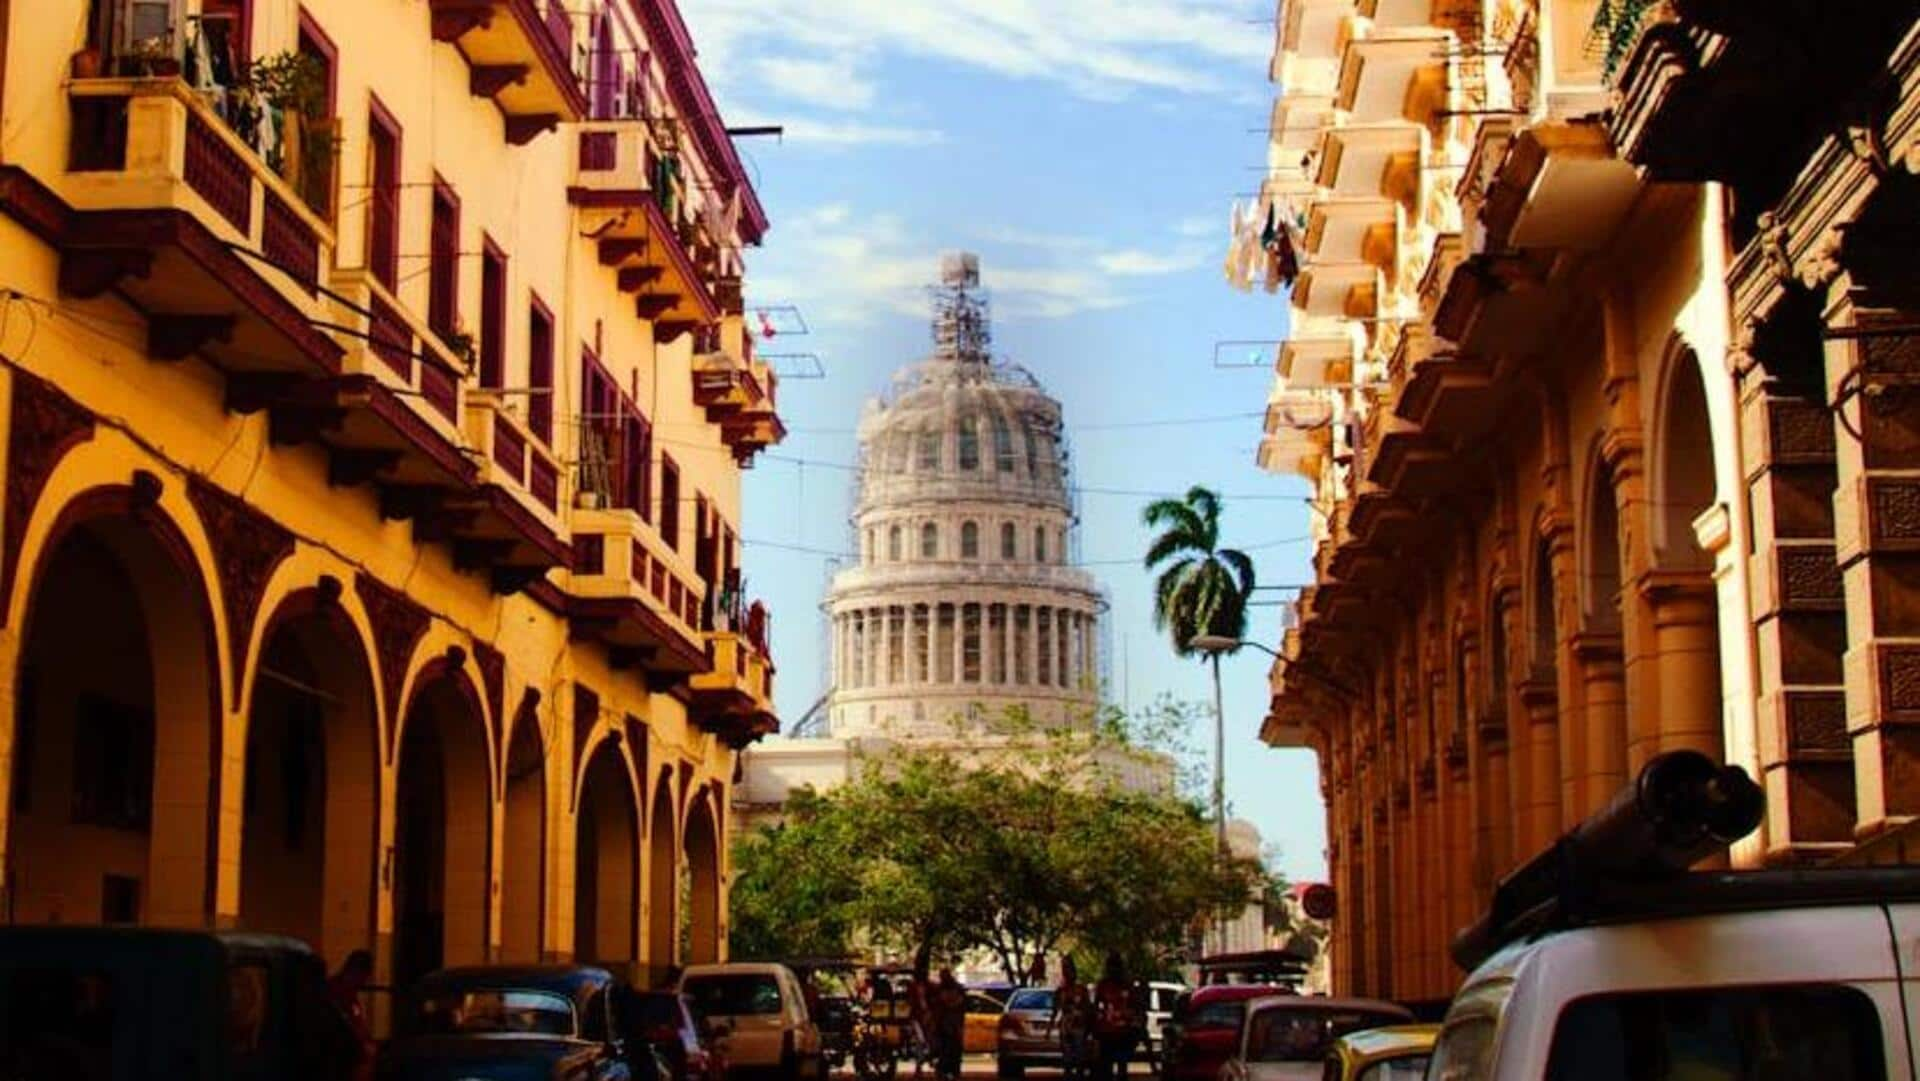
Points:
[(1213, 645)]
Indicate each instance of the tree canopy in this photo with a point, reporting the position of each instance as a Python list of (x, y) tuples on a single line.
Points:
[(1036, 843), (1202, 588)]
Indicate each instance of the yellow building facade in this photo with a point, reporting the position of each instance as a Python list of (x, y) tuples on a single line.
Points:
[(376, 393), (1599, 367)]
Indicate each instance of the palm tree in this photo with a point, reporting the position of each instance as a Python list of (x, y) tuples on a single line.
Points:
[(1203, 590)]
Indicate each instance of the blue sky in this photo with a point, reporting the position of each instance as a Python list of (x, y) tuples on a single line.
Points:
[(1089, 150)]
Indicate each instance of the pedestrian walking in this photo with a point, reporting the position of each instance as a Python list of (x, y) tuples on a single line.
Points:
[(949, 1008), (1114, 1025), (1071, 1020)]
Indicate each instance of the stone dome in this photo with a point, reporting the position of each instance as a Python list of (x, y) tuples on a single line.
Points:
[(963, 605)]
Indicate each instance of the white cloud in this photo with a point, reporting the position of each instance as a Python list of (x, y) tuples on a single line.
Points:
[(1135, 262), (1098, 49), (829, 83), (1201, 225), (844, 268), (806, 131)]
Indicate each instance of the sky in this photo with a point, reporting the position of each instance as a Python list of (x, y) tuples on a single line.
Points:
[(1089, 151)]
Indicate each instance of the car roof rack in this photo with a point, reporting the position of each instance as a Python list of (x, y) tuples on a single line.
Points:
[(1621, 861)]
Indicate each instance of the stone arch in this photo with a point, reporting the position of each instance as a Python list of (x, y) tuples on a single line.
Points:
[(1683, 462), (1543, 615), (443, 818), (1599, 547), (523, 842), (663, 878), (607, 860), (118, 715), (310, 786), (703, 853)]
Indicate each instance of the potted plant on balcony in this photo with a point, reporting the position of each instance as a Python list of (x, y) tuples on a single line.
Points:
[(295, 83), (85, 63), (153, 58)]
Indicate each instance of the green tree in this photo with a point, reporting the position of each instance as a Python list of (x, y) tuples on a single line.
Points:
[(1202, 591), (1021, 849)]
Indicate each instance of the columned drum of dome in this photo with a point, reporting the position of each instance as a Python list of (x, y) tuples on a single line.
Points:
[(963, 606)]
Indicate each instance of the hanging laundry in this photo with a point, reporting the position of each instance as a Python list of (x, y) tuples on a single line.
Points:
[(766, 325)]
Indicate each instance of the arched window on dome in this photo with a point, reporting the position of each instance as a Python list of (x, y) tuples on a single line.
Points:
[(970, 540), (969, 443), (897, 450), (1034, 437), (928, 459), (1007, 542), (893, 544), (1002, 443), (929, 541), (1039, 544)]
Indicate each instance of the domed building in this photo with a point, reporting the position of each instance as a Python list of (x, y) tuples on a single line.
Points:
[(964, 605)]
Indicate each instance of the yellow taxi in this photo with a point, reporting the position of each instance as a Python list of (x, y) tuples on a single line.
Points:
[(1395, 1053)]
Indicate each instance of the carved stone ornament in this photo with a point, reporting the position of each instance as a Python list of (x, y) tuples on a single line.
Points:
[(398, 626), (248, 547), (44, 425)]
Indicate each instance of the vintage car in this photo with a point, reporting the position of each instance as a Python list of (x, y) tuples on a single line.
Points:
[(1288, 1037), (763, 1010), (510, 1023), (132, 1004), (1395, 1053)]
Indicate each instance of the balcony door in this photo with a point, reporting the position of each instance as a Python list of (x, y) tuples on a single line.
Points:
[(383, 202)]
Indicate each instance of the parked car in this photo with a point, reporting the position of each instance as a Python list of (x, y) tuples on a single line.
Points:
[(764, 1013), (1162, 998), (1396, 1053), (140, 1004), (1027, 1035), (1606, 958), (982, 1036), (692, 1049), (509, 1022), (1203, 1032), (1288, 1037)]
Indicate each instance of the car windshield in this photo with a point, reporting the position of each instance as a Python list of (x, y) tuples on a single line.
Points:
[(1038, 998), (734, 995), (496, 1012), (1220, 1013), (1405, 1068), (1295, 1034)]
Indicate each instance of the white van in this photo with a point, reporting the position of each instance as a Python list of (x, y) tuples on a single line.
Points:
[(764, 1013), (1604, 960)]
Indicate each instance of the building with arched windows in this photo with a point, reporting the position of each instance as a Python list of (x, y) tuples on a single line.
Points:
[(1599, 365)]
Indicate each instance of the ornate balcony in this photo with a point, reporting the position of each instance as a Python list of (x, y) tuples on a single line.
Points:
[(515, 58), (636, 595), (634, 201), (733, 698), (177, 214), (1394, 73), (518, 494)]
